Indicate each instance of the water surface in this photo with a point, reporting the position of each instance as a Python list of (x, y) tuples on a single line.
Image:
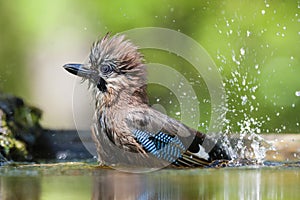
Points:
[(87, 181)]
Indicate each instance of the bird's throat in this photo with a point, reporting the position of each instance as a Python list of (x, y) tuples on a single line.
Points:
[(101, 85)]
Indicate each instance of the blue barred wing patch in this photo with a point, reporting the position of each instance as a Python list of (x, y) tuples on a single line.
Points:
[(161, 145)]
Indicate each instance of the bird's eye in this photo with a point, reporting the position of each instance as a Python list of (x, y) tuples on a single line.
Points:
[(106, 69)]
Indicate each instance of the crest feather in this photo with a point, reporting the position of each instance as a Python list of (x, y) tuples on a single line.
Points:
[(116, 49)]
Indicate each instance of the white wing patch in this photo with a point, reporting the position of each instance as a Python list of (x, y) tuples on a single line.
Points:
[(202, 153)]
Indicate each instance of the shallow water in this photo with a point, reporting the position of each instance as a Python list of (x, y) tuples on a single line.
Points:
[(277, 178), (87, 181)]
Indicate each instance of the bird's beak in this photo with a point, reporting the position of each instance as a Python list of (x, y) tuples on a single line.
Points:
[(79, 70)]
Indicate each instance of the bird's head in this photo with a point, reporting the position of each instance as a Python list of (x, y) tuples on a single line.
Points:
[(115, 66)]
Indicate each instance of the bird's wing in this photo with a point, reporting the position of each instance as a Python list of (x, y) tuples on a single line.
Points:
[(161, 145), (169, 148), (167, 139)]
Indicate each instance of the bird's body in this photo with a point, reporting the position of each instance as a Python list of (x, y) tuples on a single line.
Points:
[(126, 129)]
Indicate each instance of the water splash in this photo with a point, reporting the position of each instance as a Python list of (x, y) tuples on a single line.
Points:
[(242, 127)]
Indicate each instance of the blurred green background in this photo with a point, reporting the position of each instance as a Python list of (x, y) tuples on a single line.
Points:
[(255, 45)]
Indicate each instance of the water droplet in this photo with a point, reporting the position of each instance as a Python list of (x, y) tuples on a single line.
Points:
[(258, 130), (227, 23), (177, 113), (62, 155), (277, 114), (157, 100), (234, 60), (293, 105), (244, 100), (251, 108), (244, 82), (297, 93), (248, 33), (263, 12), (242, 51)]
